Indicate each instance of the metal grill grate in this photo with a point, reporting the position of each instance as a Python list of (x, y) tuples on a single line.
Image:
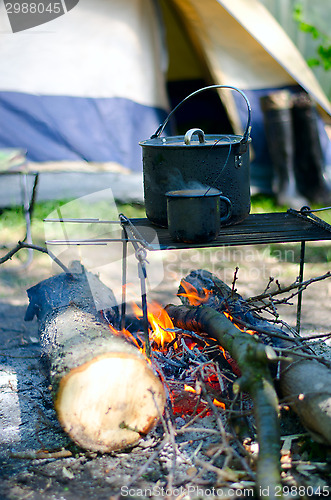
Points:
[(280, 227)]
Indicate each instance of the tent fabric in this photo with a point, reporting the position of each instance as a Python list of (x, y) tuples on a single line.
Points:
[(261, 171), (243, 45), (104, 48), (265, 30), (57, 128), (86, 86)]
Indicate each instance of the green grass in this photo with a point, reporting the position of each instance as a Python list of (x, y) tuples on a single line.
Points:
[(12, 222), (316, 252), (13, 216), (266, 204)]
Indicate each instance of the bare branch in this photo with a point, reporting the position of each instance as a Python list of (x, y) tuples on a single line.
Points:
[(22, 244), (302, 286), (302, 355), (235, 278)]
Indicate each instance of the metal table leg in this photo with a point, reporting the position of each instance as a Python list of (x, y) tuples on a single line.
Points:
[(124, 278), (142, 273), (299, 303)]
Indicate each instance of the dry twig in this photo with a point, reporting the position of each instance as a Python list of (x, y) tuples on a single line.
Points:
[(40, 454), (22, 244), (296, 285)]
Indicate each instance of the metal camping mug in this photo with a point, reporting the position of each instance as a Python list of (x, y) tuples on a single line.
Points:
[(194, 214)]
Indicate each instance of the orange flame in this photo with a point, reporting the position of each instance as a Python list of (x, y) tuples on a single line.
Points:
[(192, 294), (242, 329), (219, 404), (188, 388), (126, 334), (160, 323), (161, 331)]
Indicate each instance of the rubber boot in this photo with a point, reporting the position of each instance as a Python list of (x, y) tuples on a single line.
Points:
[(276, 108), (309, 161)]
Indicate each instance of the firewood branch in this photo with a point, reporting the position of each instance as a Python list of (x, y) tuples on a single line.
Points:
[(296, 285), (106, 395), (252, 359)]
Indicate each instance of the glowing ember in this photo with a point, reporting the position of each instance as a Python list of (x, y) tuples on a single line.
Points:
[(219, 404), (185, 400), (188, 388)]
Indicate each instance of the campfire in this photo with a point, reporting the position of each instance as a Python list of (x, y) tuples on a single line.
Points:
[(182, 359), (213, 357)]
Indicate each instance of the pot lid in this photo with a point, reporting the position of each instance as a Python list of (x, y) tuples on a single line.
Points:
[(177, 141)]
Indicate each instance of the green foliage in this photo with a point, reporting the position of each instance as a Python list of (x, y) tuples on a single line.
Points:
[(324, 48), (325, 54)]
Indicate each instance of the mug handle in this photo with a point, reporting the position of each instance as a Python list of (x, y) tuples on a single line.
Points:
[(228, 203)]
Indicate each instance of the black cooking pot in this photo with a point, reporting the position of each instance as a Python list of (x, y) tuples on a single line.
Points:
[(194, 161)]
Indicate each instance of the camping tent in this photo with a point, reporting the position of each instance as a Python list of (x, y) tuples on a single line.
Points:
[(91, 84)]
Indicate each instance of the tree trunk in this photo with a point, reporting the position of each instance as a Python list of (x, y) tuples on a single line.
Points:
[(106, 394)]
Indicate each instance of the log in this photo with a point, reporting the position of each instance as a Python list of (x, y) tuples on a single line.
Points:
[(304, 383), (252, 358), (105, 392)]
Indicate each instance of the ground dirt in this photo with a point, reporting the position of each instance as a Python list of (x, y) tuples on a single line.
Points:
[(28, 421)]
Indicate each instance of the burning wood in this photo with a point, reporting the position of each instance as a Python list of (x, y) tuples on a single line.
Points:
[(252, 358)]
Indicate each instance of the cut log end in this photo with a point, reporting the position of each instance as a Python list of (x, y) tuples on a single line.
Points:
[(110, 402)]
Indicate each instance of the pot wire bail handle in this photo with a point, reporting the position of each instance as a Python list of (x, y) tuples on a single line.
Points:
[(246, 136), (226, 161)]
